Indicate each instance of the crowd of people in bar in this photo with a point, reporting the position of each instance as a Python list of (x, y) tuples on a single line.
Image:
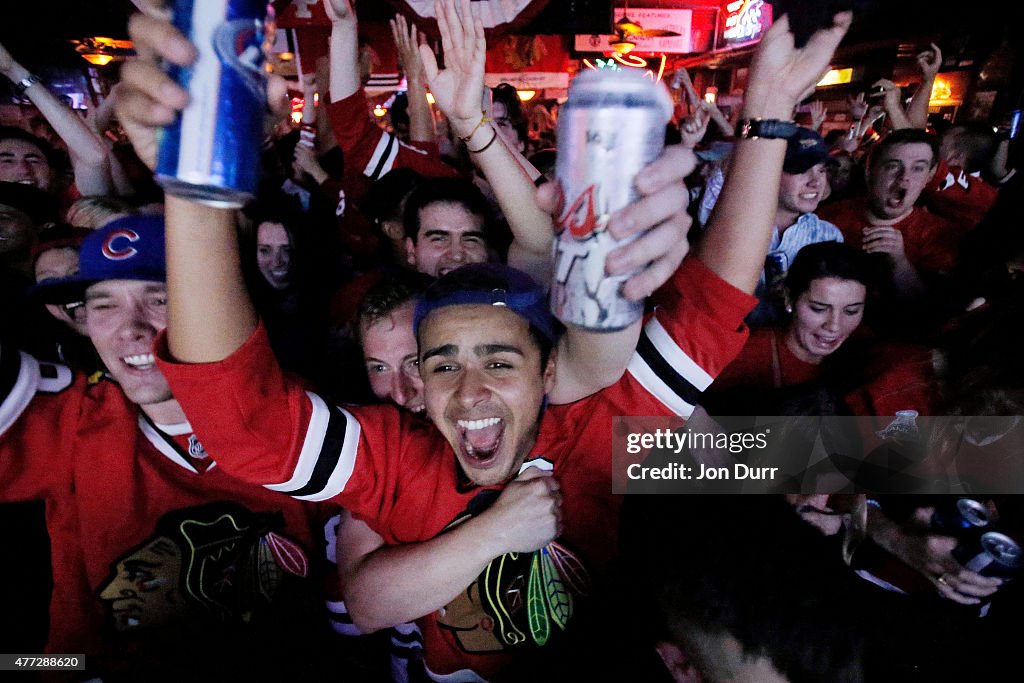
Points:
[(339, 435)]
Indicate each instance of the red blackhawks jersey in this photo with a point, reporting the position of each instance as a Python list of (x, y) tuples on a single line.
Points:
[(163, 565), (402, 477), (371, 152)]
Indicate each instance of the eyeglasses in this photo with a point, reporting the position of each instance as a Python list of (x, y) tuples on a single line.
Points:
[(75, 310)]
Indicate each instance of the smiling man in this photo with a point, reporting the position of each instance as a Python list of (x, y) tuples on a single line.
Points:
[(447, 225), (804, 184), (118, 467), (520, 548)]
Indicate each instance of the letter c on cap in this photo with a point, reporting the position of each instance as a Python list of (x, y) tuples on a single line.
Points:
[(114, 252)]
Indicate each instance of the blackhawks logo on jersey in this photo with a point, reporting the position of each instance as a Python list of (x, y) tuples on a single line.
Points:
[(217, 562), (520, 599)]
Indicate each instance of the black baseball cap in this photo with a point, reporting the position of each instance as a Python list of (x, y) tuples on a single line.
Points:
[(805, 150)]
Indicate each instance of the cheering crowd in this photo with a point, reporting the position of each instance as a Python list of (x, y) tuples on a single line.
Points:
[(338, 434)]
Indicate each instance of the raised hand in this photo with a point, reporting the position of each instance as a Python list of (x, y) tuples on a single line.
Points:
[(780, 74), (407, 40), (818, 114), (149, 98), (930, 61), (858, 106), (693, 128), (457, 88)]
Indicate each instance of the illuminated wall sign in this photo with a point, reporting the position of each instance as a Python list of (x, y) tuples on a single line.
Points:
[(836, 77), (677, 20), (745, 21), (653, 68)]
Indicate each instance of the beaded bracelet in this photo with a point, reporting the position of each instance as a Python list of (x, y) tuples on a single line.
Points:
[(484, 148), (484, 118)]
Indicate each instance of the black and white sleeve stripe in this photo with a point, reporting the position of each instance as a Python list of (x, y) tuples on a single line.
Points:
[(666, 371), (383, 158), (19, 379), (328, 454)]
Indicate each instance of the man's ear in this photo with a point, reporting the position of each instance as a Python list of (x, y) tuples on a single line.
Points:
[(410, 252), (393, 230), (549, 370), (678, 663)]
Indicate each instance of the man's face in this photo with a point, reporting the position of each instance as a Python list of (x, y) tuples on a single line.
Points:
[(449, 236), (484, 386), (800, 193), (392, 360), (23, 162), (274, 254), (897, 177), (16, 231), (122, 319)]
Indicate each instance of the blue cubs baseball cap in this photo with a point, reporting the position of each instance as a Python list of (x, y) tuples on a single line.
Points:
[(492, 284), (805, 150), (129, 248)]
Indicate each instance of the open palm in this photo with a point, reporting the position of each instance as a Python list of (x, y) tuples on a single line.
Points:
[(457, 88)]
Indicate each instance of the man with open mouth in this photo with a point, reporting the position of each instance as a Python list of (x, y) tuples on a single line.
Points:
[(917, 244)]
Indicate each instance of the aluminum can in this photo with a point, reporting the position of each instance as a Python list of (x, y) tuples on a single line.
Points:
[(991, 554), (611, 127), (211, 153), (964, 518)]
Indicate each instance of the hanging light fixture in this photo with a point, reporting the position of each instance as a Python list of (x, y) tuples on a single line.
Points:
[(100, 50)]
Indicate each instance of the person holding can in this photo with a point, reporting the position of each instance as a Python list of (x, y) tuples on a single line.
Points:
[(486, 356)]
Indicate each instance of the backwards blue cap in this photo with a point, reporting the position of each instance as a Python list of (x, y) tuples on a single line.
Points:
[(130, 248), (491, 284)]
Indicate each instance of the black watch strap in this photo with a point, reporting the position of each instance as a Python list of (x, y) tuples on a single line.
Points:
[(765, 128)]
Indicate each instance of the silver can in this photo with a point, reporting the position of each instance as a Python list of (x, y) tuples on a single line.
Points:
[(612, 126)]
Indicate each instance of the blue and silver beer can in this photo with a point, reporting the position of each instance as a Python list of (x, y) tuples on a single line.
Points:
[(211, 153)]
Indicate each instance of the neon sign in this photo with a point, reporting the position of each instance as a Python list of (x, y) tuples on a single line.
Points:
[(746, 21), (616, 61)]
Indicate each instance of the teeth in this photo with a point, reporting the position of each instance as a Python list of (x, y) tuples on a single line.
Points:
[(142, 360), (479, 424)]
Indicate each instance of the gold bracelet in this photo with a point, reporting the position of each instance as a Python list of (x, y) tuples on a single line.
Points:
[(484, 118), (484, 148)]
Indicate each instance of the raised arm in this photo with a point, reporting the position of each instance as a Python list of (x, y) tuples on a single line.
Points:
[(88, 154), (740, 226), (343, 49), (892, 103), (457, 90), (204, 283), (421, 118), (929, 61)]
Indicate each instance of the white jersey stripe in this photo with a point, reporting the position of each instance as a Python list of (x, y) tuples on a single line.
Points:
[(650, 381), (385, 145), (335, 468), (21, 391), (311, 445), (676, 357)]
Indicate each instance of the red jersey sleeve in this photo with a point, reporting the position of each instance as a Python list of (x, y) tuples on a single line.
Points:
[(696, 330), (374, 151), (263, 428), (34, 426)]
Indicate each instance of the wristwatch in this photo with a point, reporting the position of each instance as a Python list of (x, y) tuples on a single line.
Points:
[(27, 82), (765, 128)]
